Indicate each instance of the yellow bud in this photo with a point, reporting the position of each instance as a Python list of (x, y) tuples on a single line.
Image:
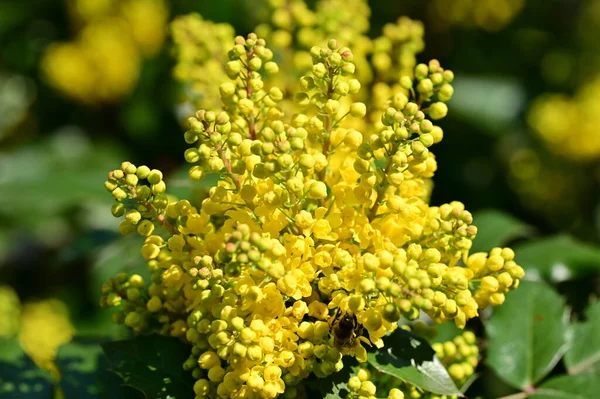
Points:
[(354, 383), (363, 375), (489, 284), (367, 285), (356, 303), (318, 190), (358, 110), (254, 353), (154, 304), (239, 349), (367, 388), (202, 387), (216, 374), (497, 299), (353, 139), (456, 372), (495, 263)]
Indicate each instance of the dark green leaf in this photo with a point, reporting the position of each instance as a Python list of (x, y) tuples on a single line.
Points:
[(410, 359), (558, 258), (472, 102), (495, 229), (122, 255), (582, 386), (85, 375), (526, 335), (67, 169), (153, 365), (20, 378), (584, 353), (78, 364)]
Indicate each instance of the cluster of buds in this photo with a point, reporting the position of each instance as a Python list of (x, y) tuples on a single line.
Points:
[(316, 239)]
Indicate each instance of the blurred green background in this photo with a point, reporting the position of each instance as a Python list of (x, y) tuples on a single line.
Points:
[(521, 136)]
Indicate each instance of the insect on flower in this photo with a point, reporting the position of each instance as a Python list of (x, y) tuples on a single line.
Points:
[(347, 331)]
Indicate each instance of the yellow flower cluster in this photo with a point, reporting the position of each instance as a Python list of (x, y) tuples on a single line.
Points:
[(41, 327), (568, 125), (45, 326), (490, 15), (317, 238), (85, 68), (292, 28), (201, 48)]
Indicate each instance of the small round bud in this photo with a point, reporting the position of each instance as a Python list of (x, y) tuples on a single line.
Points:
[(406, 82), (233, 69), (438, 110), (145, 228), (318, 190), (155, 176), (271, 68), (358, 110), (446, 92), (255, 63)]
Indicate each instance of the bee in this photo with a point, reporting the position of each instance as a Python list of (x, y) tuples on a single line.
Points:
[(346, 330)]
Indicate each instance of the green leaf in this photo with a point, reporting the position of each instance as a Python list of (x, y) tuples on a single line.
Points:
[(85, 375), (472, 101), (153, 365), (584, 353), (526, 335), (122, 255), (582, 386), (558, 258), (20, 378), (410, 359), (66, 167), (495, 229)]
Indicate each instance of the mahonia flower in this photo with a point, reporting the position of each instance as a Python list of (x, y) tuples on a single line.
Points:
[(292, 28), (45, 326), (490, 15), (312, 223), (201, 48), (553, 117), (128, 31)]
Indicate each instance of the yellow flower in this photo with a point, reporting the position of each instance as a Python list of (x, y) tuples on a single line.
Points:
[(45, 327)]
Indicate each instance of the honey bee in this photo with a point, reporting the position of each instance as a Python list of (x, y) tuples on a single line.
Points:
[(346, 330)]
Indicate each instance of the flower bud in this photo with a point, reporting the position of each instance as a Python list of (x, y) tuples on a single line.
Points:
[(358, 110), (438, 110)]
